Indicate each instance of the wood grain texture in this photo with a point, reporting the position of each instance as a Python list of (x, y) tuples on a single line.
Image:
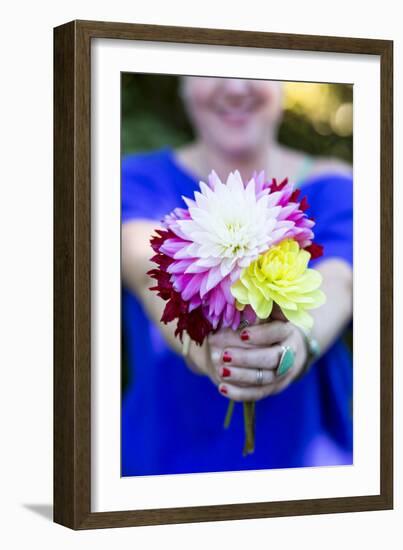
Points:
[(64, 378), (72, 296), (386, 321), (72, 274)]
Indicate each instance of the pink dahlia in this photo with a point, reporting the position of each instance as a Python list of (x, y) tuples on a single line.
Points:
[(293, 210)]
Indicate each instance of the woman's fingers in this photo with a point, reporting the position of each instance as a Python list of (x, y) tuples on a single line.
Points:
[(225, 337), (264, 334), (263, 358), (237, 369), (250, 377)]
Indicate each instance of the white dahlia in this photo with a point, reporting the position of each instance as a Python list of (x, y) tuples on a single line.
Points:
[(229, 225)]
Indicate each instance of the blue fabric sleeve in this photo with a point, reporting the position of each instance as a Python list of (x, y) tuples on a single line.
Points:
[(145, 192), (331, 205)]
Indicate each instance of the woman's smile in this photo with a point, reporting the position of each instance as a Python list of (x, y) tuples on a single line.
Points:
[(236, 113)]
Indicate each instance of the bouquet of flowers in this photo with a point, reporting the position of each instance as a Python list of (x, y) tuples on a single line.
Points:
[(235, 251)]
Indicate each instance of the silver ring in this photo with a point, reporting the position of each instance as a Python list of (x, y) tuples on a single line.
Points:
[(243, 324), (259, 377)]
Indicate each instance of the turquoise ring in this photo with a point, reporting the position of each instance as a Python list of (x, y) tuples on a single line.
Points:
[(286, 361)]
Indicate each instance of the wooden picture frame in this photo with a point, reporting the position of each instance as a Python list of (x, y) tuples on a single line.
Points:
[(72, 272)]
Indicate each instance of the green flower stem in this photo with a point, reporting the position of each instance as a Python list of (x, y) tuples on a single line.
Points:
[(249, 422), (228, 416)]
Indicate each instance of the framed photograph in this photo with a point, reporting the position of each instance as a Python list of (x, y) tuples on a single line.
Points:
[(223, 257)]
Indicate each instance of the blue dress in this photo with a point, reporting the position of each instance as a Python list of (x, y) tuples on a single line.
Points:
[(172, 419)]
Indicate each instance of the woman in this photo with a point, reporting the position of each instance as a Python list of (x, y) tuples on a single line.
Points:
[(173, 410)]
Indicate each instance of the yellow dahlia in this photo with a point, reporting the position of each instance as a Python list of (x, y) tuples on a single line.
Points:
[(281, 276)]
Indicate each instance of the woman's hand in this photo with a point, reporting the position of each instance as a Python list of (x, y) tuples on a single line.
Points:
[(235, 358)]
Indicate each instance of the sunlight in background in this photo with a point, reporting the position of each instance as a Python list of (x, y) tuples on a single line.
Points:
[(327, 106)]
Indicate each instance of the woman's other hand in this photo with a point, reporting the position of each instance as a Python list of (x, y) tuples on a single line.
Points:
[(235, 358)]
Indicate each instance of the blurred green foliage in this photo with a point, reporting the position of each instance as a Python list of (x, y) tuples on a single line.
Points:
[(153, 116), (298, 132)]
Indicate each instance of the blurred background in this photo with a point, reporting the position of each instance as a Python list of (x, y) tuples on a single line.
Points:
[(318, 118)]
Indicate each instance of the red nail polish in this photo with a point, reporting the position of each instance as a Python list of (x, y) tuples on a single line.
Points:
[(245, 335), (226, 357), (225, 372), (224, 390)]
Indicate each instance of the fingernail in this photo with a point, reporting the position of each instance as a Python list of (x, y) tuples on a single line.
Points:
[(225, 372), (223, 390), (245, 335), (226, 357)]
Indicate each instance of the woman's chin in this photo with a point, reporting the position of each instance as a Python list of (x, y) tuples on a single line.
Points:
[(240, 151)]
